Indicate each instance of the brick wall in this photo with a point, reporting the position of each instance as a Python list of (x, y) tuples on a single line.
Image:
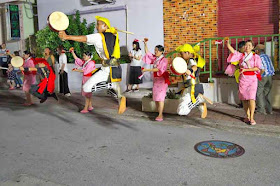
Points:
[(188, 21)]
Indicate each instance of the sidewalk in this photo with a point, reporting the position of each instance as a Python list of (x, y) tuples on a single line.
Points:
[(220, 116)]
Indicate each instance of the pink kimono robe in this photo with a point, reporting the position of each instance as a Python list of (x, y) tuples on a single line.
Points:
[(87, 68), (160, 82), (248, 81), (29, 77)]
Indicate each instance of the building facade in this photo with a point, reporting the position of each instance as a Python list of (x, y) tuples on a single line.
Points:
[(17, 23)]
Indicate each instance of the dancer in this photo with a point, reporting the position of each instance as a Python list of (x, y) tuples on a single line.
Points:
[(88, 66), (106, 43), (46, 87), (193, 86), (29, 77), (161, 76), (250, 65)]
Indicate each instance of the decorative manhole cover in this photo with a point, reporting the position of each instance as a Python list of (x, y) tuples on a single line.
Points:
[(219, 149)]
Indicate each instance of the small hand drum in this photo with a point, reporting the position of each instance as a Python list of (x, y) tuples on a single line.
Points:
[(58, 21), (178, 66), (17, 61)]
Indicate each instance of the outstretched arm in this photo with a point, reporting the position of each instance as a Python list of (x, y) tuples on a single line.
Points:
[(74, 55), (63, 36), (231, 49), (146, 47)]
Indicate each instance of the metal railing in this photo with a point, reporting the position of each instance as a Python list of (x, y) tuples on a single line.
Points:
[(215, 51)]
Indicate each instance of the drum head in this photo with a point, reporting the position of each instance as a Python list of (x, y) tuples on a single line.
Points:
[(58, 21), (17, 61), (179, 65)]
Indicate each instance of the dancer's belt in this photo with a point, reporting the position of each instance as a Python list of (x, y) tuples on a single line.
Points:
[(115, 69), (110, 62), (30, 73), (165, 75), (88, 75), (252, 73)]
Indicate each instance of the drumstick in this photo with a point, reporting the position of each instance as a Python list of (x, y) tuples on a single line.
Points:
[(141, 76), (127, 32), (5, 68), (206, 99)]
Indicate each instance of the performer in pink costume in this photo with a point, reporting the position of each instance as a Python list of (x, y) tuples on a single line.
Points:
[(29, 77), (88, 66), (161, 80), (250, 64)]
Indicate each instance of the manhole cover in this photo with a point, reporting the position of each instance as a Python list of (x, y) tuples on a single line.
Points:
[(219, 149)]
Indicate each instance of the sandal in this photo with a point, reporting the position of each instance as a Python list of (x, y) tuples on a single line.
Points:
[(28, 104), (253, 122), (90, 108), (84, 111), (159, 119)]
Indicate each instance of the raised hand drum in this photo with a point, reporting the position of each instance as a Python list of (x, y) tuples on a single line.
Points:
[(178, 66), (17, 61), (58, 21)]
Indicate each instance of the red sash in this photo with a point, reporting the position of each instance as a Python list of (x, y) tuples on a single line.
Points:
[(251, 73), (88, 75), (30, 73), (165, 75)]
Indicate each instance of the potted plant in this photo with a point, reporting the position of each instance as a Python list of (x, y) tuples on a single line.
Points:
[(171, 103)]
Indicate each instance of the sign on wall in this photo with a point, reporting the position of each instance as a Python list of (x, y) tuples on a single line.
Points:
[(13, 22)]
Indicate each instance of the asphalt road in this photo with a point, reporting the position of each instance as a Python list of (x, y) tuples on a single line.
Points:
[(53, 144)]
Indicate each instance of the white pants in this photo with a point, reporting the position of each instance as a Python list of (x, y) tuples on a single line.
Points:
[(101, 76), (186, 104)]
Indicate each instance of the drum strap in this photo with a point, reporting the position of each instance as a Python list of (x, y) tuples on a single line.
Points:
[(193, 82)]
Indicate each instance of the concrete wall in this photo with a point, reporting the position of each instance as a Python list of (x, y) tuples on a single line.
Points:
[(144, 17), (226, 91)]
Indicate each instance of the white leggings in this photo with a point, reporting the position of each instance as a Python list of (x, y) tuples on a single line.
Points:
[(101, 76)]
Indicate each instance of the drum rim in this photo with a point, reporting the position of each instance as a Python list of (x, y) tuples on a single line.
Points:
[(51, 25), (17, 64), (179, 73)]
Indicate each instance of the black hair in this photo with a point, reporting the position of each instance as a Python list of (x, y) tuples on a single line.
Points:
[(250, 41), (160, 48), (241, 44), (27, 52), (50, 50), (88, 53), (60, 47), (137, 45), (16, 53), (2, 44)]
